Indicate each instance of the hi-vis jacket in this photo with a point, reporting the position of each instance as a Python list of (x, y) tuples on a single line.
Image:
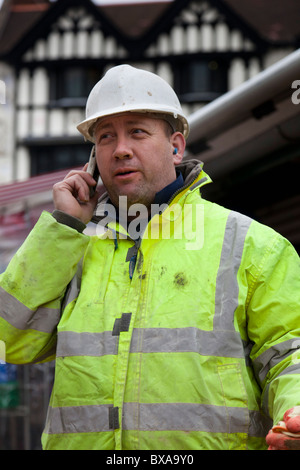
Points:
[(197, 349)]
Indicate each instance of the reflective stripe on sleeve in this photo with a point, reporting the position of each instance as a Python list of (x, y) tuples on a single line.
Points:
[(293, 369), (43, 319), (272, 356)]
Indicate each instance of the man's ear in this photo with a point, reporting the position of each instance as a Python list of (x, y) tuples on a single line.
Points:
[(178, 143)]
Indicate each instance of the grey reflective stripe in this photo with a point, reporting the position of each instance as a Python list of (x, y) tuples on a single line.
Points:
[(70, 343), (74, 419), (193, 417), (153, 340), (227, 290), (73, 288), (206, 343), (294, 369), (157, 417), (272, 356), (18, 315)]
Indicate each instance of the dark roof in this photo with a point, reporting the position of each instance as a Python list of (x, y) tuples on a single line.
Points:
[(274, 20), (135, 20), (17, 19)]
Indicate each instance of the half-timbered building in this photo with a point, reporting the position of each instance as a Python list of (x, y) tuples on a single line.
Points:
[(246, 132), (202, 48)]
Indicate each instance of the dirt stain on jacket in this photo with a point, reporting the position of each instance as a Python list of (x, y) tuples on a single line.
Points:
[(180, 280)]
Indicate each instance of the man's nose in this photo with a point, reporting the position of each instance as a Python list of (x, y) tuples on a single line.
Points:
[(122, 149)]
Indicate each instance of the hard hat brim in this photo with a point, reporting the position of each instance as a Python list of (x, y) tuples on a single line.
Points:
[(86, 127)]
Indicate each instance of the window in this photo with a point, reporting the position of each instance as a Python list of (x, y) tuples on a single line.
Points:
[(201, 80), (45, 159), (73, 82)]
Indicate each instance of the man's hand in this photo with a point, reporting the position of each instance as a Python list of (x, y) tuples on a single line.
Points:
[(286, 434), (72, 195)]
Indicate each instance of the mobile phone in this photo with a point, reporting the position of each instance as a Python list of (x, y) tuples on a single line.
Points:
[(92, 169)]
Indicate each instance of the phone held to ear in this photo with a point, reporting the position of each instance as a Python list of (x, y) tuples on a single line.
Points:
[(92, 169)]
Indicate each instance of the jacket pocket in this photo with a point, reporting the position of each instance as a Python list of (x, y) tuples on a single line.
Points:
[(235, 399)]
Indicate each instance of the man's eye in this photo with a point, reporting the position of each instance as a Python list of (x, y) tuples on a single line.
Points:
[(104, 136)]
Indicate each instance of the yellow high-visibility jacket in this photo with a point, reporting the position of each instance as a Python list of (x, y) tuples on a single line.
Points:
[(196, 348)]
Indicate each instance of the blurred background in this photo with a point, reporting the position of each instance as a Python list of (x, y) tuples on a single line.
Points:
[(235, 66)]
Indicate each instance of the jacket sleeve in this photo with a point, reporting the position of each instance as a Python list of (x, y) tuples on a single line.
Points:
[(32, 289), (274, 327)]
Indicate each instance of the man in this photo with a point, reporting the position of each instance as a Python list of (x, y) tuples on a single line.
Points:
[(178, 326)]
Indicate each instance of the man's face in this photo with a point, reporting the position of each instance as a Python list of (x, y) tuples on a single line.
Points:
[(135, 156)]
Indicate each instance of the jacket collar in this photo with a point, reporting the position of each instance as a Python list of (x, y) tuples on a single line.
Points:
[(193, 177)]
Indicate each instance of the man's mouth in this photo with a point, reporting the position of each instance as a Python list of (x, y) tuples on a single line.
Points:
[(125, 173)]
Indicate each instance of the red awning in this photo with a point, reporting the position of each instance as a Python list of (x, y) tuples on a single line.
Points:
[(18, 191)]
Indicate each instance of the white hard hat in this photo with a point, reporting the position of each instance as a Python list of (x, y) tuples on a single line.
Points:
[(127, 89)]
